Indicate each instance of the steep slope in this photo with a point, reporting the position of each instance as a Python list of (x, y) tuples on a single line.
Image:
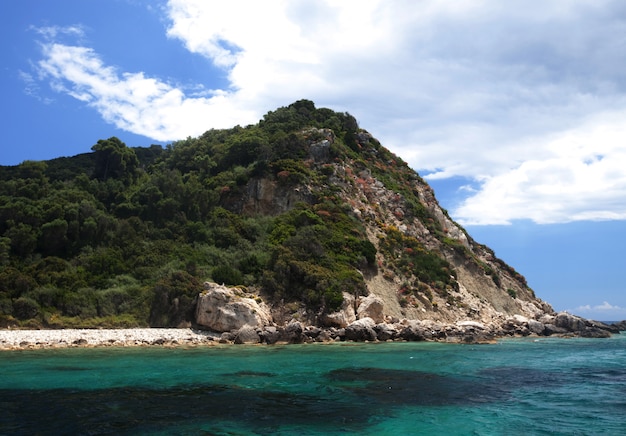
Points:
[(427, 266), (304, 210)]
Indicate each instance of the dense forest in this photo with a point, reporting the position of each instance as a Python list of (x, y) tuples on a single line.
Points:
[(125, 236), (300, 209)]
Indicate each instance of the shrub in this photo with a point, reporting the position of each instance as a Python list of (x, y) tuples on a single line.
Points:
[(227, 275), (25, 308), (174, 300), (6, 307)]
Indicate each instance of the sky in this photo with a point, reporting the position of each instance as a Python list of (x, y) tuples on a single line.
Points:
[(513, 111)]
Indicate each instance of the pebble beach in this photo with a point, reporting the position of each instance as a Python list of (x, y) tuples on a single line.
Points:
[(66, 338)]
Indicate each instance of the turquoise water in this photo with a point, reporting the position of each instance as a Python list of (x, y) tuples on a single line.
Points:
[(515, 387)]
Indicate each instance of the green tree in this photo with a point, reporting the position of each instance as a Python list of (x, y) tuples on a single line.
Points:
[(114, 159), (54, 237), (23, 239)]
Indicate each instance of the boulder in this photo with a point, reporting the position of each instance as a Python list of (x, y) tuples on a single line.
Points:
[(547, 319), (293, 333), (569, 322), (344, 316), (471, 325), (413, 331), (227, 337), (536, 327), (270, 335), (325, 336), (551, 329), (520, 319), (621, 325), (223, 309), (595, 332), (247, 335), (361, 330), (385, 332), (371, 307), (312, 332), (611, 328)]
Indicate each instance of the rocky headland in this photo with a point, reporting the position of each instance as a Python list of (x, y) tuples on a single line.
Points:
[(319, 232), (230, 315), (244, 318)]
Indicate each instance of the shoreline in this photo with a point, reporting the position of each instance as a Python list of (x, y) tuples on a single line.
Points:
[(91, 338), (18, 339), (294, 333)]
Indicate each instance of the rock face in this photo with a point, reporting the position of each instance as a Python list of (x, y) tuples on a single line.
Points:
[(223, 309), (247, 320), (247, 335), (426, 270), (562, 323), (620, 326), (371, 307), (361, 330)]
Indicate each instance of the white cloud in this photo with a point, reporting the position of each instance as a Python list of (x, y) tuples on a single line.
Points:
[(527, 101), (54, 32), (603, 312), (604, 307), (132, 101), (578, 177)]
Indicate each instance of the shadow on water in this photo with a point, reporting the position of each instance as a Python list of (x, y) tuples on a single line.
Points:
[(145, 410), (354, 398), (400, 387)]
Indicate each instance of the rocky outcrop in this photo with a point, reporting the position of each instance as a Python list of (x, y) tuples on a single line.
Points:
[(361, 330), (562, 323), (365, 329), (247, 320), (223, 309), (371, 307), (247, 335), (620, 326)]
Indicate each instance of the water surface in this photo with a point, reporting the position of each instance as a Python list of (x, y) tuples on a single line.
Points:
[(519, 386)]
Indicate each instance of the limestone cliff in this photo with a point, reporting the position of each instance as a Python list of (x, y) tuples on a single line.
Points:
[(405, 223)]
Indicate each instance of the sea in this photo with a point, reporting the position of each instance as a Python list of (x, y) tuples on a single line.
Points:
[(527, 386)]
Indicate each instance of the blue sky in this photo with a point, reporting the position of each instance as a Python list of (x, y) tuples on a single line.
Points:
[(513, 113)]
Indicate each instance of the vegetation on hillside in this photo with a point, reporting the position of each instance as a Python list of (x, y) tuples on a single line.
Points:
[(124, 237)]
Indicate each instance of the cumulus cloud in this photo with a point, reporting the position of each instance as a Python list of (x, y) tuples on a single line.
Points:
[(604, 307), (134, 101), (579, 176), (527, 102)]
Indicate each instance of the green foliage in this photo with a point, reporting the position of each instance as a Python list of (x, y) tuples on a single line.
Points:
[(410, 258), (316, 251), (25, 308), (114, 159), (174, 300), (227, 275), (125, 236)]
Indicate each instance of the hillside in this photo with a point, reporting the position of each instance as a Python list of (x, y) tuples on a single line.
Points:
[(304, 210)]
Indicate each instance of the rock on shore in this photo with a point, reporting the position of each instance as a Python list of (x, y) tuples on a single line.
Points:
[(295, 332)]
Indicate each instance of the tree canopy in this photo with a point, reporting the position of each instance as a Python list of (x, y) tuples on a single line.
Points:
[(119, 236)]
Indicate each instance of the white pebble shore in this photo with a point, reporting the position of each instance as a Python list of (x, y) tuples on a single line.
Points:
[(64, 338)]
